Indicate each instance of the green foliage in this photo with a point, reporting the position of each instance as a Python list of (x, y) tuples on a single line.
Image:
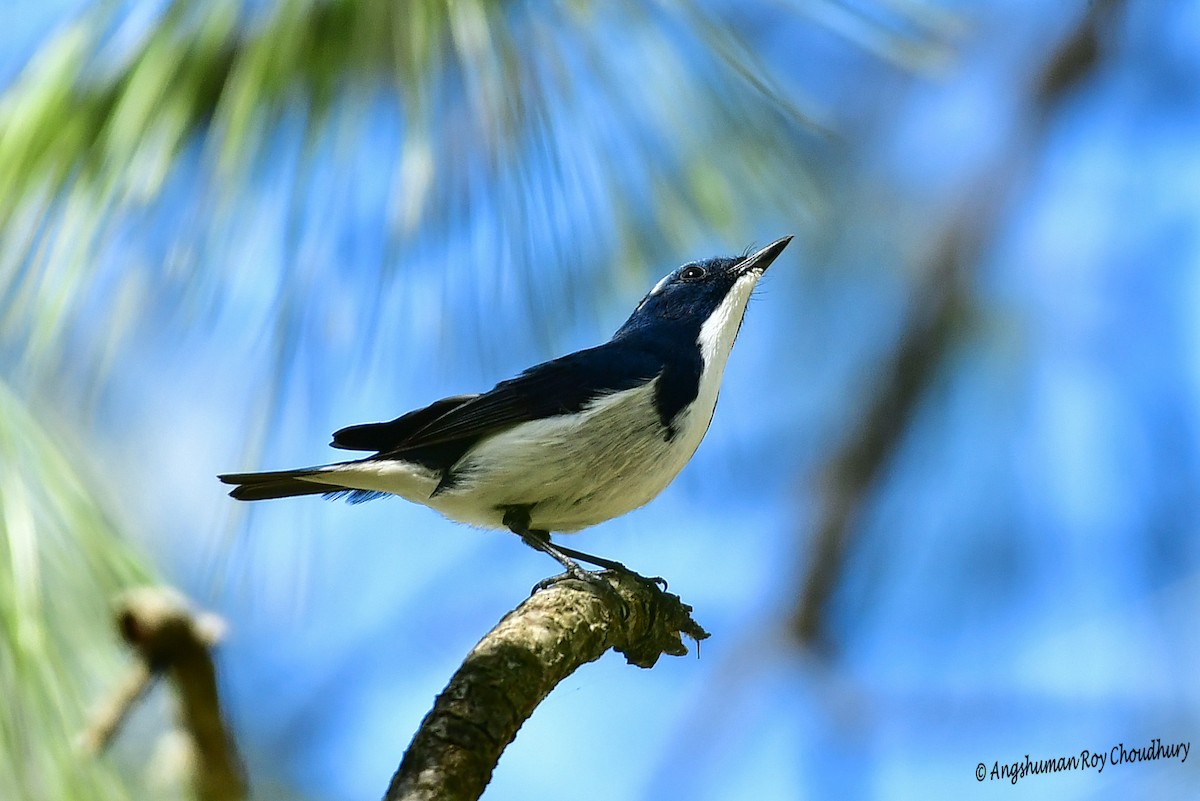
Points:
[(91, 130), (60, 565), (119, 126)]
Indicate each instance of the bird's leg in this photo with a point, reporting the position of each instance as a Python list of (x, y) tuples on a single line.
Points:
[(598, 561), (517, 520)]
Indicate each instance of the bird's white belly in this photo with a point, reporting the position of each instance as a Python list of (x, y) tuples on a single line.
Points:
[(577, 470)]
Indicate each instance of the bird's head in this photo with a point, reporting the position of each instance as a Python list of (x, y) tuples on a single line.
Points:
[(704, 300)]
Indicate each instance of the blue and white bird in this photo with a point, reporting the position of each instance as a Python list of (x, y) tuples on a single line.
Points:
[(567, 444)]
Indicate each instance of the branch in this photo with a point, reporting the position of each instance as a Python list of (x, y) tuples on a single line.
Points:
[(519, 662), (172, 640), (851, 475), (936, 323)]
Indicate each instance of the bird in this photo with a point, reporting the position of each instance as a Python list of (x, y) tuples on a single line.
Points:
[(566, 444)]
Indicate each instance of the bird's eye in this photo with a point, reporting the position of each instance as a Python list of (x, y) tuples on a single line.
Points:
[(692, 272)]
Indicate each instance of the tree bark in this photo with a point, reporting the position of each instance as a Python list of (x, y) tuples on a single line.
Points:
[(518, 663)]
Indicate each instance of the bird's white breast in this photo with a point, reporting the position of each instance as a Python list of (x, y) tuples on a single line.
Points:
[(573, 471), (716, 341)]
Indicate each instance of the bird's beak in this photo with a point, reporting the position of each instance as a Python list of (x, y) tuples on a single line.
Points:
[(760, 260)]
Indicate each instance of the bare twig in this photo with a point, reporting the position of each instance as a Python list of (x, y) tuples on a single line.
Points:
[(172, 640), (519, 662), (932, 328), (851, 475), (108, 719)]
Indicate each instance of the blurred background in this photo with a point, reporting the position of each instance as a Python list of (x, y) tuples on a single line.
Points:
[(947, 510)]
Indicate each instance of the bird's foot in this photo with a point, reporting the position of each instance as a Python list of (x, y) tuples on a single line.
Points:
[(609, 564), (597, 578), (517, 520), (594, 578)]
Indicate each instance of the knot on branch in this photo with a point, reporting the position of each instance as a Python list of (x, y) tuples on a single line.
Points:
[(161, 627), (656, 622)]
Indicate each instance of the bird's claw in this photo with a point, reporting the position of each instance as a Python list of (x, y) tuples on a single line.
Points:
[(595, 578)]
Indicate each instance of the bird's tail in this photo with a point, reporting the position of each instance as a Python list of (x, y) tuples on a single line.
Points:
[(280, 484)]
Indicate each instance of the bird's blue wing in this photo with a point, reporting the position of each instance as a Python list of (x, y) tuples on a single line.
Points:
[(386, 436), (562, 386)]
